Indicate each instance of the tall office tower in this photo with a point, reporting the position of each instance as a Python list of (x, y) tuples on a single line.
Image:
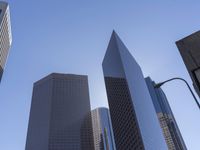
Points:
[(60, 114), (102, 130), (189, 48), (134, 120), (167, 121), (5, 35)]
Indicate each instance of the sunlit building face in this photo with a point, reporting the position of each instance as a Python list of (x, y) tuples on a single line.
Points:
[(5, 35)]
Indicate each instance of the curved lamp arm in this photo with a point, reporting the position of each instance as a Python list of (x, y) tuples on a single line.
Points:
[(177, 78)]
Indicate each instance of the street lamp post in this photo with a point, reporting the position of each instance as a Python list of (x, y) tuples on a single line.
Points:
[(177, 78)]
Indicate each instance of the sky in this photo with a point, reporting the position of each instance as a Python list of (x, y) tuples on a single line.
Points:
[(71, 36)]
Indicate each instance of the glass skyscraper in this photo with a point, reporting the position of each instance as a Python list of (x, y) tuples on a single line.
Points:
[(5, 35), (60, 116), (134, 120), (102, 129), (167, 121)]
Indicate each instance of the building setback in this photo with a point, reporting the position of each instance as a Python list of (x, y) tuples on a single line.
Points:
[(102, 130), (189, 48), (167, 121), (5, 35), (60, 114), (134, 120)]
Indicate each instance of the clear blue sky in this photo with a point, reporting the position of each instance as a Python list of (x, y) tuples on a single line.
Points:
[(71, 36)]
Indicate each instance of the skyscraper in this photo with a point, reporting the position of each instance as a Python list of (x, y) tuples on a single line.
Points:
[(189, 48), (167, 121), (5, 35), (60, 114), (134, 120), (102, 130)]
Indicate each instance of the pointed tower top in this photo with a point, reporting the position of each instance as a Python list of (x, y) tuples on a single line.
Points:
[(114, 33), (115, 37), (116, 55)]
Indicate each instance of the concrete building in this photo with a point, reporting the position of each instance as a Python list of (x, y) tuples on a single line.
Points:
[(189, 48), (168, 123), (134, 120), (60, 114), (102, 130), (5, 35)]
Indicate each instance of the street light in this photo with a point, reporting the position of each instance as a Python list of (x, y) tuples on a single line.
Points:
[(177, 78)]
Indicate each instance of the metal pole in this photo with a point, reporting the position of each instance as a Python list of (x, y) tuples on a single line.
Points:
[(177, 78)]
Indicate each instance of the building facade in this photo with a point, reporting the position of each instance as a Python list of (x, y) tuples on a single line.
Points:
[(189, 48), (60, 116), (167, 121), (102, 130), (134, 120), (5, 35)]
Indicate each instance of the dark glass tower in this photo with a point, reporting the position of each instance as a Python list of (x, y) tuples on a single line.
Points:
[(167, 121), (134, 120), (5, 35), (102, 129), (60, 114), (189, 48)]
